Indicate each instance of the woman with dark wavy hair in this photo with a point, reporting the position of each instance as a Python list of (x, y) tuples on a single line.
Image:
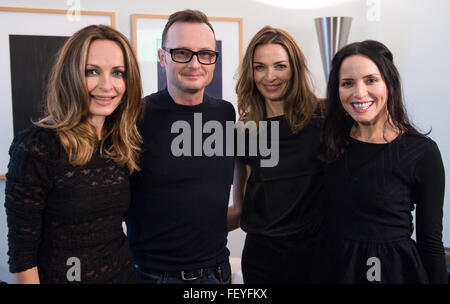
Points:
[(379, 169), (67, 185), (278, 206)]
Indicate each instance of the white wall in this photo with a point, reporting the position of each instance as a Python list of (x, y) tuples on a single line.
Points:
[(414, 30)]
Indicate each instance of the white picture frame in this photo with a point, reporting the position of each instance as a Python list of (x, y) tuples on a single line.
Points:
[(40, 22)]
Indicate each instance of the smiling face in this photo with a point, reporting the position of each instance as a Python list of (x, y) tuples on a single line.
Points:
[(191, 77), (272, 71), (362, 90), (105, 78)]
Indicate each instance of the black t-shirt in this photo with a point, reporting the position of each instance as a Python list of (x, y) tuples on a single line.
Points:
[(285, 200), (177, 218)]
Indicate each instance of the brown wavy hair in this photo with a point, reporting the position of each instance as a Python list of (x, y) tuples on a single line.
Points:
[(300, 102), (68, 100)]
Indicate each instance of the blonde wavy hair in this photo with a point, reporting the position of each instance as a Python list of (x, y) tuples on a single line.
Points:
[(300, 102), (68, 100)]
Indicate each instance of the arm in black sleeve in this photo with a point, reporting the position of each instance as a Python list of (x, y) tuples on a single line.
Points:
[(27, 184), (429, 197)]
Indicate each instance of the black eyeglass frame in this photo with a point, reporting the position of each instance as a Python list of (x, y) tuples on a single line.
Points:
[(192, 55)]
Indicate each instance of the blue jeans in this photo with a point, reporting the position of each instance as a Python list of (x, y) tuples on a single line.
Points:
[(211, 277)]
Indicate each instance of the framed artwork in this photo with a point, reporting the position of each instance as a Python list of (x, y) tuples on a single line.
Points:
[(29, 41), (147, 35)]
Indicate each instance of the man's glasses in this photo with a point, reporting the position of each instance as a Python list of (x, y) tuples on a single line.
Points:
[(185, 55)]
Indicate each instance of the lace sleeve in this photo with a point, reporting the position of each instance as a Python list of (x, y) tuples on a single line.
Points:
[(27, 185)]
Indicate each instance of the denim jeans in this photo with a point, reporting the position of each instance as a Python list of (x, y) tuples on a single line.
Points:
[(212, 276)]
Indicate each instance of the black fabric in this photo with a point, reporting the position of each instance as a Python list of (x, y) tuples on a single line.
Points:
[(282, 260), (371, 190), (177, 219), (56, 211), (282, 209), (286, 199)]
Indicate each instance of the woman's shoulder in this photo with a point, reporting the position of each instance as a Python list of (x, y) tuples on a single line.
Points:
[(417, 141), (416, 147), (37, 140)]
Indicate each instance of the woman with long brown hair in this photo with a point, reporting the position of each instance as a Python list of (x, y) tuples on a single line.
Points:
[(278, 206), (67, 185)]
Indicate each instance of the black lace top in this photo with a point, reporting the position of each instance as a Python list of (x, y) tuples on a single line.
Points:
[(56, 211)]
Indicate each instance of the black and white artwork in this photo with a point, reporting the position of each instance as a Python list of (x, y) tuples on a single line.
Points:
[(32, 58)]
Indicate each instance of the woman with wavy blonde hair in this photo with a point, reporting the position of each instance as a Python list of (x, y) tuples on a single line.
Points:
[(67, 184), (279, 207)]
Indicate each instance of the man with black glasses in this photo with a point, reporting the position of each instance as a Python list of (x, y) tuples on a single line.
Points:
[(177, 222)]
